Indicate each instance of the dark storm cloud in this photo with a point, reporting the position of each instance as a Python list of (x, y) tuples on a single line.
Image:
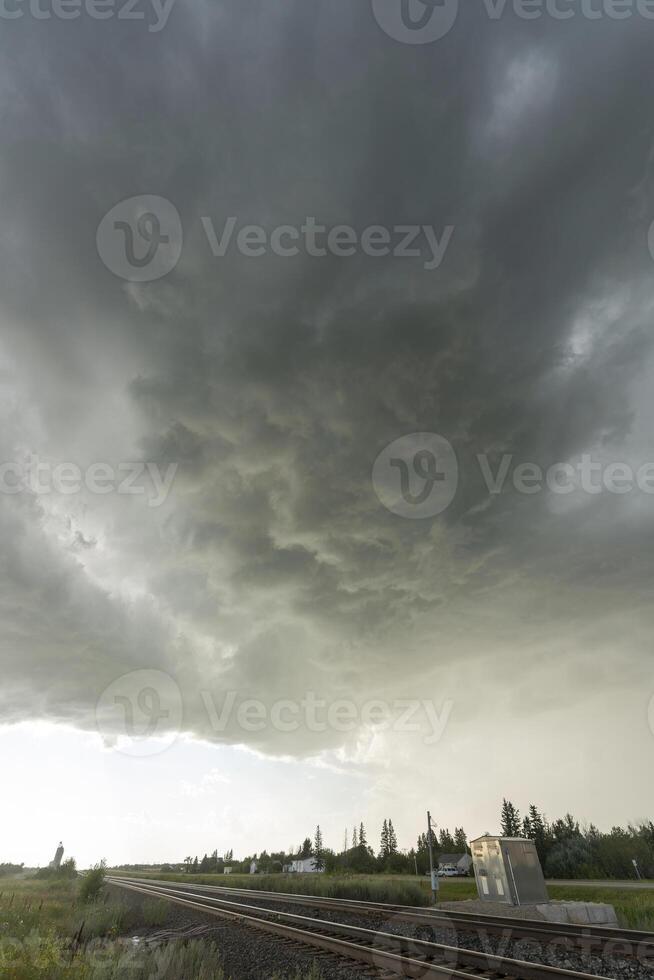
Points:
[(275, 383)]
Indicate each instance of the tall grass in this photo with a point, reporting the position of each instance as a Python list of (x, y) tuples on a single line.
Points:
[(634, 907), (53, 906), (155, 912), (27, 905), (396, 891), (45, 957)]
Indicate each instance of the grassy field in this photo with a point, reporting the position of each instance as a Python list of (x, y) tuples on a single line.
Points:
[(396, 889), (41, 919), (635, 908)]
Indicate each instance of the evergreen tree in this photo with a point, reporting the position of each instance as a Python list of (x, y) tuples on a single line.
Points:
[(195, 866), (392, 839), (446, 841), (363, 841), (422, 850), (318, 851), (539, 833), (460, 841), (355, 842), (510, 820), (306, 848), (568, 828), (383, 841)]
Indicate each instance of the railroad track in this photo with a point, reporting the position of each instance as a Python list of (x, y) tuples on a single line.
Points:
[(599, 940), (387, 954)]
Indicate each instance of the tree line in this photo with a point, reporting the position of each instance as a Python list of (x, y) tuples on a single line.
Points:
[(568, 850), (7, 869), (357, 855)]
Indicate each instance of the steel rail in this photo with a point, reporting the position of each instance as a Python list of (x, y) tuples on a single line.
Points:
[(450, 957), (633, 942)]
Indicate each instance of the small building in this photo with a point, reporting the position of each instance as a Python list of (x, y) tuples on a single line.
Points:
[(254, 867), (507, 869), (305, 866), (461, 862), (227, 871)]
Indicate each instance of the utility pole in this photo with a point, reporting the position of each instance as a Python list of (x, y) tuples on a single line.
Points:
[(434, 877)]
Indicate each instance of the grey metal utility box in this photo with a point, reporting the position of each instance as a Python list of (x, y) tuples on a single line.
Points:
[(507, 870)]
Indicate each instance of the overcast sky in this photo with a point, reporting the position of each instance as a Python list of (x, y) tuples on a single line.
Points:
[(275, 559)]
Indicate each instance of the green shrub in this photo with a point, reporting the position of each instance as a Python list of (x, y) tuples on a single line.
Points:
[(68, 869), (92, 883)]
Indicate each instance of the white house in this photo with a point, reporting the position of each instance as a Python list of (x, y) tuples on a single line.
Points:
[(227, 871), (305, 866), (462, 862)]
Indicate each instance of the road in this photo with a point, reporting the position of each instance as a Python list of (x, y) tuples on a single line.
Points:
[(581, 883), (601, 884)]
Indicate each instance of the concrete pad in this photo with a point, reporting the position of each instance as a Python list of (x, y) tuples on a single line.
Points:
[(579, 913)]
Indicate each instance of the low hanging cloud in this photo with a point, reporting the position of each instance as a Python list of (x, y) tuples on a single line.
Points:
[(271, 383)]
